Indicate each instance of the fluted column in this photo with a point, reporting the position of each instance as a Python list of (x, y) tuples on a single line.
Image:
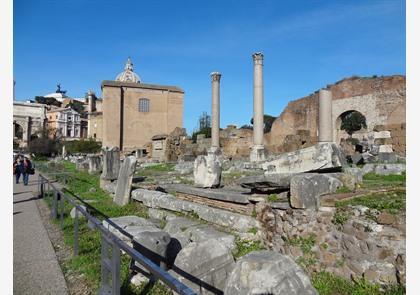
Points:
[(257, 152), (325, 133), (215, 109)]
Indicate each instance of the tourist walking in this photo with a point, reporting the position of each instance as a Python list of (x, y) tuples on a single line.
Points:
[(27, 170), (18, 168)]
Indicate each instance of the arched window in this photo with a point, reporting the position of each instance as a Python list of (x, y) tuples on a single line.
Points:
[(144, 104)]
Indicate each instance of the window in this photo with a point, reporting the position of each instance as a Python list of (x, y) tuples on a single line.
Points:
[(144, 105), (56, 116)]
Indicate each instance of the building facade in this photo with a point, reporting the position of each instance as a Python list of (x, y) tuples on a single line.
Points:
[(65, 123), (133, 112)]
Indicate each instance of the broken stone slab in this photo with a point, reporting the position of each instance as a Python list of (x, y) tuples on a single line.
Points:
[(153, 245), (177, 227), (267, 181), (208, 170), (386, 148), (306, 189), (348, 180), (82, 164), (131, 224), (111, 163), (280, 205), (184, 167), (204, 266), (322, 156), (235, 221), (357, 173), (159, 214), (268, 272), (386, 169), (382, 134), (205, 232), (125, 180), (215, 194), (95, 164), (79, 214), (387, 157)]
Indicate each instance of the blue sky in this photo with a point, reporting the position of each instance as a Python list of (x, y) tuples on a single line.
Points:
[(306, 45)]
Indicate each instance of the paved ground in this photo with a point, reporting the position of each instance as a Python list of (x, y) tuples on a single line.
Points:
[(35, 266)]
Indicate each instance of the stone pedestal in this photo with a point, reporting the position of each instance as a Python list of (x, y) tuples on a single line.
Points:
[(95, 164), (110, 163), (257, 152), (325, 116), (208, 170), (125, 179)]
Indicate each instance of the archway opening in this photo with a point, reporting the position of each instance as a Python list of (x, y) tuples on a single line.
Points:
[(18, 131)]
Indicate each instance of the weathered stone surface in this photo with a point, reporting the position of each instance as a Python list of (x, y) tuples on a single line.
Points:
[(184, 167), (267, 181), (382, 134), (204, 266), (216, 194), (386, 169), (268, 272), (348, 180), (111, 163), (155, 199), (177, 227), (125, 179), (319, 157), (109, 186), (207, 170), (356, 172), (95, 164), (385, 148), (204, 232), (153, 245), (131, 224), (306, 189), (82, 164), (385, 218)]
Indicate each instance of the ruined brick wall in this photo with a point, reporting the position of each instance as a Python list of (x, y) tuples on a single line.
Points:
[(381, 100)]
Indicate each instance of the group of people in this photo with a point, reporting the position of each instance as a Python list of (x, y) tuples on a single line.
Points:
[(22, 166)]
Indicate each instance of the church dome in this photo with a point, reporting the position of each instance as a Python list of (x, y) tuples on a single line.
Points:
[(128, 75)]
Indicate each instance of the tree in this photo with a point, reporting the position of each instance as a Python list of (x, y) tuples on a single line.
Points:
[(352, 121), (76, 105), (246, 127), (83, 146), (268, 122), (47, 100), (43, 144), (204, 126)]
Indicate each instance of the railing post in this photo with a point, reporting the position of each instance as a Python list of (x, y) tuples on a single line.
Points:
[(62, 211), (110, 267), (42, 188), (76, 233), (56, 197)]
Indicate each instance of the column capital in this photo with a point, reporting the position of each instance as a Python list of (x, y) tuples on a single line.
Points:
[(215, 76), (258, 57)]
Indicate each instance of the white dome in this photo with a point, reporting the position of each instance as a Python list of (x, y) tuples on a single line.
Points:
[(128, 75), (58, 96)]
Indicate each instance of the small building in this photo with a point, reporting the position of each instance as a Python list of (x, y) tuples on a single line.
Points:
[(64, 123), (133, 112)]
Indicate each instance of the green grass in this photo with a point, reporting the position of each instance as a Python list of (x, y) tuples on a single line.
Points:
[(272, 198), (343, 189), (244, 247), (305, 244), (375, 180), (340, 217), (392, 202), (87, 263), (329, 284)]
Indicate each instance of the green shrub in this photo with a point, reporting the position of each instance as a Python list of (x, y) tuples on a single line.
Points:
[(83, 146)]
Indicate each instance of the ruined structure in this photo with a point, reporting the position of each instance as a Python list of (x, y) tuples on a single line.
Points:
[(28, 119), (381, 100)]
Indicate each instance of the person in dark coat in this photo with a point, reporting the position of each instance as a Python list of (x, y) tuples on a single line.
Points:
[(27, 168), (18, 168)]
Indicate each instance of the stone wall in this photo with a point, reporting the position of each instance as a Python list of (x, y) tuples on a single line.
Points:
[(356, 247), (381, 100)]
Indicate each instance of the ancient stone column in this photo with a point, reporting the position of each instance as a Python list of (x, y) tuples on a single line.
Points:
[(325, 133), (257, 151), (215, 109), (91, 101)]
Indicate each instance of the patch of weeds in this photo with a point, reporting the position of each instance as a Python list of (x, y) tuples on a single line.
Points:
[(272, 198), (343, 189), (324, 246), (162, 223), (253, 230), (244, 247), (183, 228), (305, 244), (306, 260), (340, 217), (375, 180), (254, 213), (340, 262), (392, 202)]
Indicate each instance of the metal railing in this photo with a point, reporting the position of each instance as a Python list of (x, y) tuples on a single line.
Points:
[(111, 245)]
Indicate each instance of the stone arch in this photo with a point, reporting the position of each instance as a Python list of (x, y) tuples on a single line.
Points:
[(339, 134), (18, 131)]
